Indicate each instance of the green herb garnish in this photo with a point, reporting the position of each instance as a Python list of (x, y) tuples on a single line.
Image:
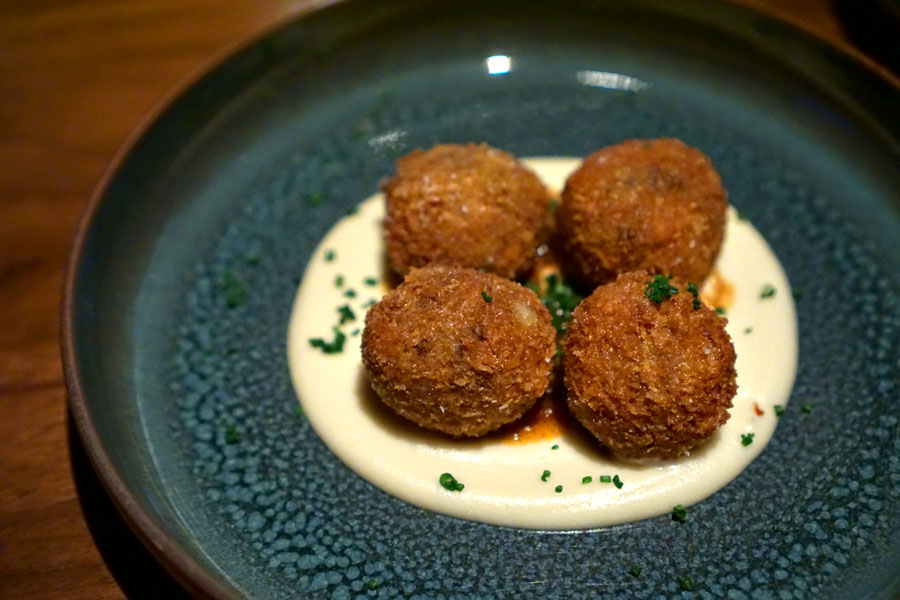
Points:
[(234, 289), (369, 303), (486, 298), (605, 479), (545, 475), (748, 330), (587, 479), (617, 482), (767, 291), (779, 410), (314, 199), (797, 294), (685, 583), (339, 281), (692, 288), (635, 570), (334, 347), (560, 300), (253, 257), (558, 489), (346, 314), (351, 293), (806, 407), (232, 435), (679, 513), (554, 447), (658, 289), (330, 255), (747, 439), (370, 281), (372, 584), (720, 310), (449, 482)]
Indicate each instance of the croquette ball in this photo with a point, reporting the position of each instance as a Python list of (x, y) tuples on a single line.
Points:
[(459, 351), (655, 205), (648, 379), (465, 205)]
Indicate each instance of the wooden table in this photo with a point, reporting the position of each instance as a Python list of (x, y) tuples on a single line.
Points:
[(75, 77)]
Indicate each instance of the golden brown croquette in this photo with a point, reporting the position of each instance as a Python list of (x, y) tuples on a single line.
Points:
[(459, 351), (656, 205), (648, 379), (465, 205)]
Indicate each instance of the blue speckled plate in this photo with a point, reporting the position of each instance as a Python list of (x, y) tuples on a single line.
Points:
[(180, 289)]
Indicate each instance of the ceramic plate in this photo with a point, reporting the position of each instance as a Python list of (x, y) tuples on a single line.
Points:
[(186, 268)]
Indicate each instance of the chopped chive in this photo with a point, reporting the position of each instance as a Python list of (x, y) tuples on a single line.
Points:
[(779, 410), (605, 479), (351, 293), (299, 412), (747, 439), (355, 332), (685, 583), (635, 570), (679, 513), (234, 289), (720, 310), (232, 435), (797, 294), (330, 255), (558, 489), (692, 288), (372, 584), (658, 289), (486, 298), (449, 482), (806, 407), (741, 216), (554, 447), (587, 479), (369, 303), (346, 314), (253, 257), (617, 482), (339, 281), (560, 299), (748, 330), (314, 199), (767, 291), (334, 347), (370, 281), (545, 475), (352, 210)]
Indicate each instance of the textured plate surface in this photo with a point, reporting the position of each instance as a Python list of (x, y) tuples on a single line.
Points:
[(181, 290)]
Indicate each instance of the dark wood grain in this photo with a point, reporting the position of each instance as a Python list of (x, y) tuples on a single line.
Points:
[(75, 77)]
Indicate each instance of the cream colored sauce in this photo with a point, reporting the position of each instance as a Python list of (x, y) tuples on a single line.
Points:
[(503, 480)]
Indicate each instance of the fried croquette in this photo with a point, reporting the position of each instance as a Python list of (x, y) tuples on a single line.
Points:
[(647, 378), (465, 205), (655, 205), (459, 351)]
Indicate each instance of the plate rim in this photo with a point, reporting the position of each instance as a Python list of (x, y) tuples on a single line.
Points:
[(190, 573)]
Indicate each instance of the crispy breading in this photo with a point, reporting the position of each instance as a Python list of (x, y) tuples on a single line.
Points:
[(465, 205), (656, 205), (459, 351), (648, 379)]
